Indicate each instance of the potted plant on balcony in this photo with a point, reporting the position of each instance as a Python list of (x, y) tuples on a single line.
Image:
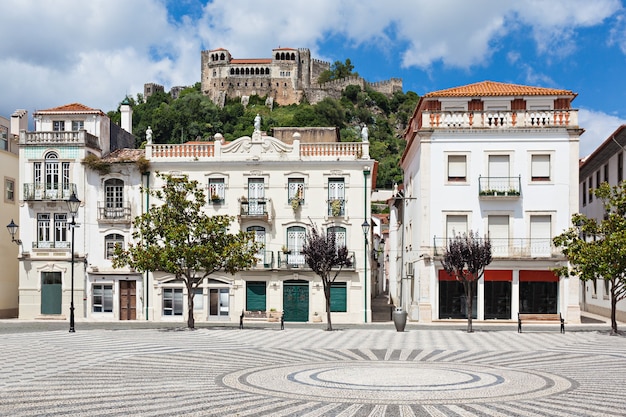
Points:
[(215, 198), (286, 250), (295, 203), (335, 207)]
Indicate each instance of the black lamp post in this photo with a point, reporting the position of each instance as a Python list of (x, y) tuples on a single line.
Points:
[(12, 228), (72, 205), (366, 228)]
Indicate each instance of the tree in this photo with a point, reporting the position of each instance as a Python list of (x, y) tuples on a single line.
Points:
[(597, 249), (337, 71), (323, 256), (179, 238), (465, 258)]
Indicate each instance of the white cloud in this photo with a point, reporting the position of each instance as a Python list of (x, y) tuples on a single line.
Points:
[(598, 127)]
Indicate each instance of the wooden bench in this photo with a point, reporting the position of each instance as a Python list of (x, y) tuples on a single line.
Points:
[(539, 318), (260, 316)]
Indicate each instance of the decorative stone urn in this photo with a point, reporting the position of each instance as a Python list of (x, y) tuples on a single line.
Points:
[(399, 319)]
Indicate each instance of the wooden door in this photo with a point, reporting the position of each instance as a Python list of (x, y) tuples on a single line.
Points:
[(128, 299)]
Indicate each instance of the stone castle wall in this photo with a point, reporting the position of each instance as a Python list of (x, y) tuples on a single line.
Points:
[(286, 81)]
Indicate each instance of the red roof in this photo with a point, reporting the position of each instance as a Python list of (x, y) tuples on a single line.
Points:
[(71, 108), (495, 89)]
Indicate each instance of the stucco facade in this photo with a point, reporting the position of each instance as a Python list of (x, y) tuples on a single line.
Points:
[(605, 164), (497, 159)]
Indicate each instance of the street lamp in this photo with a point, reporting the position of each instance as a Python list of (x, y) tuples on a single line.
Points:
[(366, 228), (12, 228), (72, 205)]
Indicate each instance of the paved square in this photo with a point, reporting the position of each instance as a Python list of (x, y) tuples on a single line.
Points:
[(311, 372)]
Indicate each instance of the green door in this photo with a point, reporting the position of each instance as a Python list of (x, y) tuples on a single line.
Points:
[(256, 296), (51, 293), (296, 300)]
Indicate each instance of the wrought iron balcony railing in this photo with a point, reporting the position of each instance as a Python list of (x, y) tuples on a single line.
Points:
[(254, 207), (337, 207), (265, 260), (511, 248), (297, 260), (499, 186), (48, 191), (51, 245)]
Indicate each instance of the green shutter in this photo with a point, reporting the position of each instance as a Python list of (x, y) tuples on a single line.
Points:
[(338, 298), (255, 296)]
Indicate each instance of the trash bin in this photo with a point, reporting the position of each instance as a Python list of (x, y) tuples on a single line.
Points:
[(399, 319)]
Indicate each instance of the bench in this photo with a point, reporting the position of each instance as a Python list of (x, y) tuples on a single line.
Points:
[(260, 316), (539, 318)]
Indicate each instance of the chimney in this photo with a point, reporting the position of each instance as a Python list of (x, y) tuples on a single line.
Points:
[(127, 116)]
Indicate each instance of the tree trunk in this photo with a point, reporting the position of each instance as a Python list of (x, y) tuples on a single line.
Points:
[(190, 318), (329, 325), (613, 308), (468, 304)]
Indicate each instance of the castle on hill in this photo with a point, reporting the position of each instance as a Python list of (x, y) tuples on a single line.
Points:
[(286, 78)]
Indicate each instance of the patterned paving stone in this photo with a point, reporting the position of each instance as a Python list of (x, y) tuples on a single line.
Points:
[(310, 372)]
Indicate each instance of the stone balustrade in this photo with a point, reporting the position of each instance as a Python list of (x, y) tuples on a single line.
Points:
[(78, 137), (499, 119)]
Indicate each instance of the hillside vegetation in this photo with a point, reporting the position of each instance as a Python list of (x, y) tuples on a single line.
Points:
[(193, 116)]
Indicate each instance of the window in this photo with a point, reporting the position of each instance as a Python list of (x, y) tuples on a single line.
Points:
[(598, 179), (4, 138), (457, 168), (78, 125), (216, 189), (540, 168), (336, 197), (340, 235), (256, 196), (110, 242), (540, 235), (198, 299), (60, 227), (498, 228), (44, 235), (9, 190), (295, 242), (295, 189), (58, 125), (590, 189), (102, 298), (455, 225), (114, 199), (172, 301), (606, 173), (620, 167), (259, 237), (338, 297), (584, 193)]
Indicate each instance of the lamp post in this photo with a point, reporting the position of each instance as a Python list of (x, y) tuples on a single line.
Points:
[(12, 228), (72, 205), (366, 228)]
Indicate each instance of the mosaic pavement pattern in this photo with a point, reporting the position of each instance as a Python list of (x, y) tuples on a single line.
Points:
[(310, 372)]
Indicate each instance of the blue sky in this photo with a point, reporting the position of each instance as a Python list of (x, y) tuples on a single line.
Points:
[(95, 52)]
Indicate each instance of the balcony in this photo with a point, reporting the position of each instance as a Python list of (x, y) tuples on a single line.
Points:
[(113, 214), (297, 260), (74, 137), (48, 192), (254, 208), (51, 245), (336, 207), (498, 119), (497, 188), (520, 248), (265, 260)]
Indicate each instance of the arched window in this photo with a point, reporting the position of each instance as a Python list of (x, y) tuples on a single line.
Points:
[(256, 71), (277, 56), (232, 71), (222, 57), (113, 199), (247, 71), (110, 242), (282, 56), (237, 71), (340, 235), (293, 57), (259, 237)]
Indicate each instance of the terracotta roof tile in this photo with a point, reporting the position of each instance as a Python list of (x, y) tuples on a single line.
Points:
[(124, 155), (71, 108), (495, 89)]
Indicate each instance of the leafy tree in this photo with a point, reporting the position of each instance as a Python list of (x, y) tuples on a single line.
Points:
[(465, 258), (597, 249), (337, 71), (180, 239), (323, 256)]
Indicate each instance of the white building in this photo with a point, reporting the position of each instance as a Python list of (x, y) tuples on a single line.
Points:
[(499, 159), (50, 171), (8, 211), (270, 187), (605, 164)]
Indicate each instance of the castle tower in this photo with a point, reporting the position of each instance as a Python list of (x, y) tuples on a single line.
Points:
[(304, 67)]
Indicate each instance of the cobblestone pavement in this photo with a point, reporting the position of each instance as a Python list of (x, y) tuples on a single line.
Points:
[(310, 372)]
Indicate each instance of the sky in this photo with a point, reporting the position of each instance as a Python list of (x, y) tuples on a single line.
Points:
[(98, 51)]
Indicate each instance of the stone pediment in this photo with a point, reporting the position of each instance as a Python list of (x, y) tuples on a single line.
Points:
[(257, 145)]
